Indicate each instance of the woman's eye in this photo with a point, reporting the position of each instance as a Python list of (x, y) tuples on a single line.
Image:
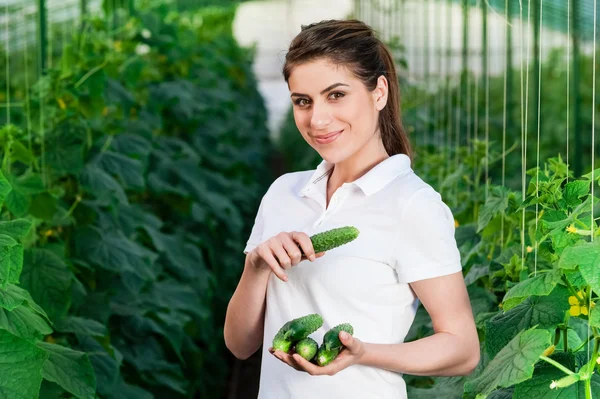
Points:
[(301, 102), (337, 95)]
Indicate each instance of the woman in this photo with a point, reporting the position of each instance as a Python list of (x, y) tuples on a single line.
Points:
[(345, 96)]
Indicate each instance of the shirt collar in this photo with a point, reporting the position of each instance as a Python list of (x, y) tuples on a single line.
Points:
[(372, 181)]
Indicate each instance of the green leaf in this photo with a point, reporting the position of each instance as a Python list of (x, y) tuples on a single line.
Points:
[(130, 171), (24, 322), (11, 260), (513, 364), (11, 297), (17, 228), (82, 326), (544, 311), (5, 188), (574, 190), (43, 206), (496, 204), (18, 152), (541, 285), (48, 280), (444, 387), (106, 367), (595, 315), (21, 362), (111, 250), (587, 257), (70, 369), (102, 185)]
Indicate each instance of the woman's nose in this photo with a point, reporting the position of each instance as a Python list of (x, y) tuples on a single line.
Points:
[(320, 117)]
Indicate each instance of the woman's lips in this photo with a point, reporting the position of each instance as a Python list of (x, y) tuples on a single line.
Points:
[(330, 138)]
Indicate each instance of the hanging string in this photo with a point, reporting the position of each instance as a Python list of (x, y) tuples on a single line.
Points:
[(526, 130), (523, 166), (487, 111), (568, 78), (448, 88), (476, 131), (26, 62), (457, 132), (592, 222), (7, 66), (537, 175), (506, 67)]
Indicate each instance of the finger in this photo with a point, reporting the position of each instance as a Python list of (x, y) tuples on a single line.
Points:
[(320, 254), (276, 246), (287, 359), (307, 366), (292, 249), (267, 255), (305, 244)]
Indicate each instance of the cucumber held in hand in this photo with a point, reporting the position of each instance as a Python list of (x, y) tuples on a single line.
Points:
[(296, 330), (333, 238), (331, 339), (307, 348), (302, 327), (324, 357), (332, 345), (280, 340)]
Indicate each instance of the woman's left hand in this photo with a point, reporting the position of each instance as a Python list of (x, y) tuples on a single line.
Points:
[(350, 355)]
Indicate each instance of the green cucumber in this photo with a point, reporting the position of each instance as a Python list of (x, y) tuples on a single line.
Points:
[(296, 330), (331, 339), (302, 327), (324, 356), (280, 340), (307, 348), (333, 238)]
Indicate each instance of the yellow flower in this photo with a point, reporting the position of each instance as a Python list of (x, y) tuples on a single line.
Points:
[(584, 310), (572, 229), (575, 311), (573, 300), (529, 249), (456, 224)]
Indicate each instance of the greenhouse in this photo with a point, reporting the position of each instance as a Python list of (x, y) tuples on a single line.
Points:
[(158, 228)]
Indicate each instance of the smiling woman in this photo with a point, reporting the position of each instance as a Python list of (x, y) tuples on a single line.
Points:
[(345, 96)]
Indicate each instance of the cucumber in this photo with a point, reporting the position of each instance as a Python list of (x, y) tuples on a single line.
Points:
[(280, 340), (307, 348), (302, 327), (331, 339), (333, 238), (296, 330), (324, 356)]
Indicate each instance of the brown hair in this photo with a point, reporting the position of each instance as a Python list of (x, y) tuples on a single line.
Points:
[(353, 44)]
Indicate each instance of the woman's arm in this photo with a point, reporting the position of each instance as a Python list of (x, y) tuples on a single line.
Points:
[(454, 347), (244, 320)]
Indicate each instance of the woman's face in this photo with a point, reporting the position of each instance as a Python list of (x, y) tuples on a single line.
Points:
[(334, 111)]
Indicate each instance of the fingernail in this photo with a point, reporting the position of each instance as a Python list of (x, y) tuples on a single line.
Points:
[(344, 335), (312, 258)]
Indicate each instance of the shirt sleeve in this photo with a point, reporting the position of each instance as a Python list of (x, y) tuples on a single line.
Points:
[(426, 246), (257, 230)]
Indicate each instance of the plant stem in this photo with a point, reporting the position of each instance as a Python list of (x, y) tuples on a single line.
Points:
[(565, 340), (556, 364), (583, 344), (571, 288)]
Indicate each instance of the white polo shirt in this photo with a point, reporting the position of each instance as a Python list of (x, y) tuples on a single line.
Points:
[(406, 234)]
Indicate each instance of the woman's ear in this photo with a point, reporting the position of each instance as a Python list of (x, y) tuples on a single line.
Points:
[(380, 94)]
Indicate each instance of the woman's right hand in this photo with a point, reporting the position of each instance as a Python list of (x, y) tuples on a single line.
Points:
[(282, 252)]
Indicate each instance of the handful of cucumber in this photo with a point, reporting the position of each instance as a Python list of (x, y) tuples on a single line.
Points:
[(296, 333)]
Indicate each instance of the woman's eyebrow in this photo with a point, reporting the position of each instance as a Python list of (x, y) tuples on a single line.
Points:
[(329, 88)]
